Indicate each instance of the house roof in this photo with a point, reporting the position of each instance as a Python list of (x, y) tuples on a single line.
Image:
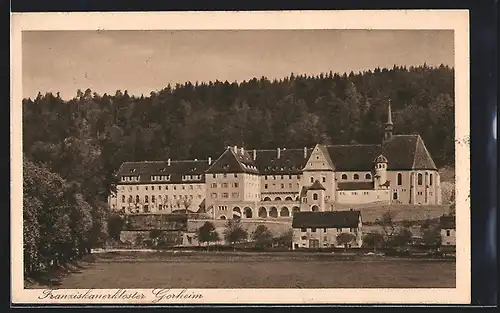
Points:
[(234, 160), (355, 186), (316, 186), (176, 170), (447, 222), (328, 219), (290, 161)]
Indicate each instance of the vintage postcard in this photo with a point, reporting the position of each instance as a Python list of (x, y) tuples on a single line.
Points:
[(306, 157)]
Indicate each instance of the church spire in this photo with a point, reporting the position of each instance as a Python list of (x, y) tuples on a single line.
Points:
[(388, 124)]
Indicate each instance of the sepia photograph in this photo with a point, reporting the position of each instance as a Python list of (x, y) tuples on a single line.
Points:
[(157, 163)]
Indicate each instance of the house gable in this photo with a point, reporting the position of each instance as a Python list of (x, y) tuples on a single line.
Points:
[(319, 160)]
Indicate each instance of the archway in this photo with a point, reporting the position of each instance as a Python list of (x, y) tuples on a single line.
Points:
[(236, 213), (222, 217), (315, 208), (267, 199), (247, 212), (277, 199), (284, 212), (295, 209), (262, 212), (288, 199), (273, 212)]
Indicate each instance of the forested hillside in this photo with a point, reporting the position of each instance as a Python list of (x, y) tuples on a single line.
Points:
[(85, 139)]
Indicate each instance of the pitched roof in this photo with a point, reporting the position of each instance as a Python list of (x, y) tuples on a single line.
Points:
[(316, 186), (355, 186), (328, 219), (233, 161), (290, 161), (353, 157), (176, 170), (447, 222)]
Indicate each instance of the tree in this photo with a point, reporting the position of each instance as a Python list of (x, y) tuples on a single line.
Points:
[(115, 226), (373, 240), (285, 239), (345, 239), (432, 236), (234, 232), (387, 221), (262, 236), (207, 233), (401, 238)]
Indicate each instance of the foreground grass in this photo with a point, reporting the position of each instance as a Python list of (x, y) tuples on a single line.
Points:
[(252, 270)]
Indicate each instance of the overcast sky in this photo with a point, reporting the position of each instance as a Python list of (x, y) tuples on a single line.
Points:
[(144, 61)]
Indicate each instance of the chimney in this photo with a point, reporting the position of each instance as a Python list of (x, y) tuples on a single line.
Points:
[(168, 162), (235, 149), (305, 152), (209, 160), (279, 153), (242, 150), (254, 154)]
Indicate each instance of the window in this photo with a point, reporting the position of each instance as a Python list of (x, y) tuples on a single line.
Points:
[(236, 195), (153, 199), (152, 187), (175, 187), (235, 175), (303, 229), (191, 187), (146, 187), (265, 186), (224, 175), (183, 187), (190, 196), (312, 179), (137, 199), (290, 185), (355, 176), (313, 230), (395, 196), (419, 178), (430, 179), (324, 230), (236, 185), (159, 187), (123, 199), (130, 199), (289, 176), (214, 195), (224, 185), (400, 179), (448, 232), (213, 175), (315, 196), (214, 185), (303, 237), (265, 177), (282, 186), (146, 199), (324, 179), (368, 176), (344, 176), (225, 195)]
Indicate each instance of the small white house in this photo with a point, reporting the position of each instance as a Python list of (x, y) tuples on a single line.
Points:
[(316, 230), (448, 230)]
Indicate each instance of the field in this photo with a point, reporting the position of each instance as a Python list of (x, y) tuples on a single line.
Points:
[(251, 270)]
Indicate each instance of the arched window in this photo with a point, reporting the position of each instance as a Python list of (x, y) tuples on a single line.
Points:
[(137, 199), (400, 179), (315, 196), (368, 176), (146, 199), (312, 179), (153, 199), (315, 208), (430, 179), (355, 176), (123, 199), (277, 199), (344, 176), (419, 178), (130, 199), (324, 179), (267, 199)]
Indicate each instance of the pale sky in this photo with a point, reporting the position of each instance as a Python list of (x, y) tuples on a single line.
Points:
[(145, 61)]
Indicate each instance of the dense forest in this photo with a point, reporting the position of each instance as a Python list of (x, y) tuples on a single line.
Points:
[(83, 141)]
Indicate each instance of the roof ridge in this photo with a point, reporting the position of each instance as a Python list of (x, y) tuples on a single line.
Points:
[(215, 162), (420, 140)]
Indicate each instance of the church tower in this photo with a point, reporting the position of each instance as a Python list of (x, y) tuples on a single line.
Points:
[(388, 125)]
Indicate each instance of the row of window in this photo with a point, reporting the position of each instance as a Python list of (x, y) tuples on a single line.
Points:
[(165, 187), (160, 178), (225, 195), (274, 177), (354, 193), (313, 230), (420, 178), (130, 178), (290, 186), (356, 176), (160, 199), (224, 185)]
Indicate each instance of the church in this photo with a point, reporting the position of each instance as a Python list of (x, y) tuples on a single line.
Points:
[(256, 183)]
